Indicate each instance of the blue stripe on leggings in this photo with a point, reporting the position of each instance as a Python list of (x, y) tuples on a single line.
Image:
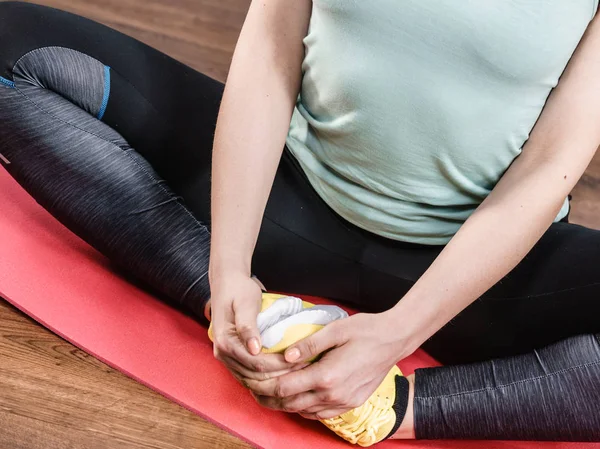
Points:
[(106, 92), (6, 82)]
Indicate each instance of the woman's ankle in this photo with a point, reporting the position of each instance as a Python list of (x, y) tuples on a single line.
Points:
[(406, 431)]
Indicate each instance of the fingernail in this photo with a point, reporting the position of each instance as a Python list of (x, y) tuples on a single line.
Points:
[(292, 355), (254, 346)]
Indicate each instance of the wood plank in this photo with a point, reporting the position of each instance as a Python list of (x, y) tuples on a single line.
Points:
[(199, 33), (54, 395)]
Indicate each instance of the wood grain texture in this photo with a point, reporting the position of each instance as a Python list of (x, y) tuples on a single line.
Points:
[(54, 396), (199, 33)]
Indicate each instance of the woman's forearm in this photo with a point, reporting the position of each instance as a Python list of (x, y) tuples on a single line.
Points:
[(254, 118), (522, 205), (487, 247)]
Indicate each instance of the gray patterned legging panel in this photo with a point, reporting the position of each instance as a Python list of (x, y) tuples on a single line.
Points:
[(115, 139)]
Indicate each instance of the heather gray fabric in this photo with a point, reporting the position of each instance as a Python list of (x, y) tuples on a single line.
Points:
[(74, 76), (551, 394), (54, 145)]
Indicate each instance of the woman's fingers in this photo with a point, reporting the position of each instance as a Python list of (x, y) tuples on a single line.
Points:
[(290, 405), (235, 333), (319, 342), (324, 414), (248, 374), (298, 403), (309, 404), (235, 304), (261, 363), (308, 379), (228, 346), (245, 314)]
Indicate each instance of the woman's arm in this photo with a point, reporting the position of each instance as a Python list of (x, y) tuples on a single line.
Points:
[(491, 242), (254, 118), (523, 204)]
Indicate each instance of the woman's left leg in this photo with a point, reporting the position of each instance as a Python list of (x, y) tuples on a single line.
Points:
[(549, 394), (551, 300), (531, 343)]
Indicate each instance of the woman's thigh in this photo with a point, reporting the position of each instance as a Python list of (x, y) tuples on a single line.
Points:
[(303, 246), (554, 293), (165, 110)]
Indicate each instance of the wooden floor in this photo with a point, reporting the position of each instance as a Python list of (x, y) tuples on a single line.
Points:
[(54, 396)]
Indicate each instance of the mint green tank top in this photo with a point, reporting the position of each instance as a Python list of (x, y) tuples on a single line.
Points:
[(410, 111)]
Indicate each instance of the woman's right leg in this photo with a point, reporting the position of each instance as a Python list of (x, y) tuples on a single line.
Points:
[(115, 140), (99, 129)]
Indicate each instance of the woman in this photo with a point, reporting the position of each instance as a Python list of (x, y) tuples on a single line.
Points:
[(404, 157)]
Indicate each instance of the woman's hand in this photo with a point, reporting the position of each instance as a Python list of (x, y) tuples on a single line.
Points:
[(254, 119), (235, 304), (363, 348)]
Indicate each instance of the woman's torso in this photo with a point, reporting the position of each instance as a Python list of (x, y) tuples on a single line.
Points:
[(411, 110)]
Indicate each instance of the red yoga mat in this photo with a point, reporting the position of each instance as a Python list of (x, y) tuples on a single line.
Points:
[(67, 286)]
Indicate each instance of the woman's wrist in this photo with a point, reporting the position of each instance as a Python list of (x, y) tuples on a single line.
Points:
[(412, 322), (402, 340), (220, 267)]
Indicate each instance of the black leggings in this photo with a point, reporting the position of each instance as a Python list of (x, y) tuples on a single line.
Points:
[(114, 139)]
